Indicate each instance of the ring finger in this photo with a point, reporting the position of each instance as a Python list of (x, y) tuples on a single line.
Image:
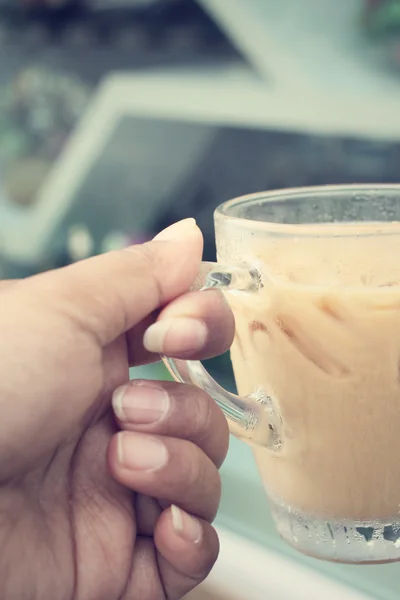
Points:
[(174, 470)]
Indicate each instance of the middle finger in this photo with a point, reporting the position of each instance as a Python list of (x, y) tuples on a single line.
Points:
[(169, 469), (197, 325)]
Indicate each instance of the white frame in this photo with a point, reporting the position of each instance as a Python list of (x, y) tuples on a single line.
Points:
[(228, 96)]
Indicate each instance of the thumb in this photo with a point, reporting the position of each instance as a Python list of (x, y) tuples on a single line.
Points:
[(108, 294)]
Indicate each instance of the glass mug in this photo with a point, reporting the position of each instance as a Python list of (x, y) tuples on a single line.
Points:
[(313, 279)]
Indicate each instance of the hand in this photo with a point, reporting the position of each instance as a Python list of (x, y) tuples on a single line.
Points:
[(85, 499)]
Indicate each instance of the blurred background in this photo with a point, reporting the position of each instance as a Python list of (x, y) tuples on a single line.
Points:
[(119, 117)]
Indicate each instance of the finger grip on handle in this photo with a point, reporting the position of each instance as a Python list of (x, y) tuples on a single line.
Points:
[(252, 417)]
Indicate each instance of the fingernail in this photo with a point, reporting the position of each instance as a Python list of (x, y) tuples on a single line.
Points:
[(186, 526), (140, 403), (180, 335), (176, 230), (141, 452)]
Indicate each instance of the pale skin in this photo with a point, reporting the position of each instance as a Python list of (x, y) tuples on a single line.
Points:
[(109, 492)]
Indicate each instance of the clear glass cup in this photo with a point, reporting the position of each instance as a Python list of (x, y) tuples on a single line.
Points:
[(313, 278)]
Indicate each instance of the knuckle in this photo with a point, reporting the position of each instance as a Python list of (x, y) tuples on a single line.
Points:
[(206, 483), (183, 470), (149, 262), (205, 424), (145, 254), (203, 412), (201, 472), (212, 427), (195, 467)]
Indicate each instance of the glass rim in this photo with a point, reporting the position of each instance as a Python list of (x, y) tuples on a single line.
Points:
[(344, 228)]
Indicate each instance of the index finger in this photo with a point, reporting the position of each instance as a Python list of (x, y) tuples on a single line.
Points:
[(208, 308)]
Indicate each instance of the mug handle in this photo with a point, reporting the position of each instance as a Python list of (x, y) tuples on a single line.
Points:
[(254, 417)]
